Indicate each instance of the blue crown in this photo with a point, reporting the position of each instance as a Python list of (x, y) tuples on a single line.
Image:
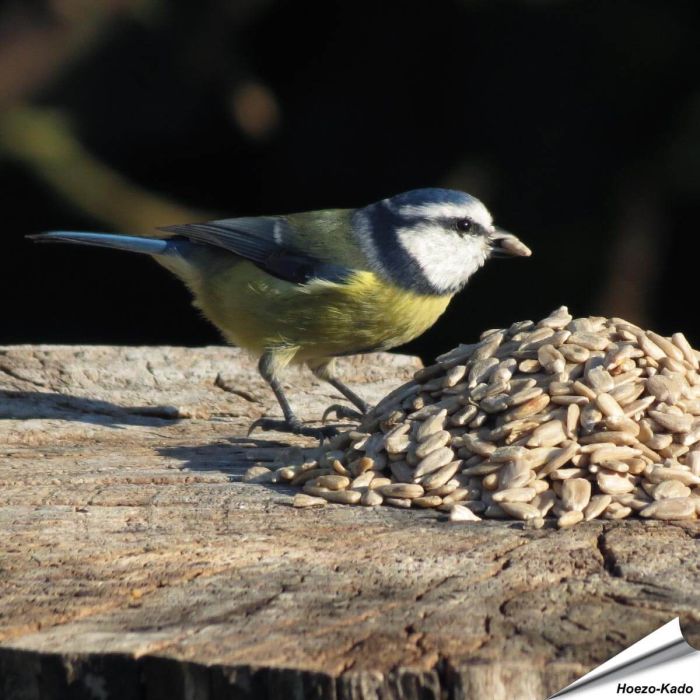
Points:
[(432, 195)]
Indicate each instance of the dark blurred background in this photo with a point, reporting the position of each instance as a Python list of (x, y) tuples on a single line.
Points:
[(577, 122)]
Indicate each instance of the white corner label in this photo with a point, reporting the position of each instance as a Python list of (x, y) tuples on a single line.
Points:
[(661, 665)]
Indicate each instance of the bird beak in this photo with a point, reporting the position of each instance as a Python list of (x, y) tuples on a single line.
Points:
[(506, 245)]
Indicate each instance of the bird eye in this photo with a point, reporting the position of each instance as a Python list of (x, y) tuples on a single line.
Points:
[(463, 225)]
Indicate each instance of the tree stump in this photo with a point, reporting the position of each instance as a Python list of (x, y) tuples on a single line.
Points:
[(135, 563)]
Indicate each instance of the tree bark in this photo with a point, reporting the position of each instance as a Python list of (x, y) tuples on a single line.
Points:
[(135, 562)]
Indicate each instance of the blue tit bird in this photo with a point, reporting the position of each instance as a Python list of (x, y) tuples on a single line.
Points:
[(313, 286)]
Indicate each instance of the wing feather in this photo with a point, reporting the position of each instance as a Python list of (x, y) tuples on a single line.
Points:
[(266, 241)]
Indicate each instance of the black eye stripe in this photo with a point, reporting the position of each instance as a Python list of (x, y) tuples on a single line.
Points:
[(463, 225)]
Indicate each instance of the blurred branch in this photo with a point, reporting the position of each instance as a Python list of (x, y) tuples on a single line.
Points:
[(44, 140), (36, 45)]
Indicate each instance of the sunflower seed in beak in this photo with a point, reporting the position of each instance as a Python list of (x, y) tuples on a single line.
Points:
[(506, 244)]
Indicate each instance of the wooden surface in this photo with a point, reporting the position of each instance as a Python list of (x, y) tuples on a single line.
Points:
[(135, 563)]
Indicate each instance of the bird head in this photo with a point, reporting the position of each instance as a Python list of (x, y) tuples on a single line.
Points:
[(431, 240)]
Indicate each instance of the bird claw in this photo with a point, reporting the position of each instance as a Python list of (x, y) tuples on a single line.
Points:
[(341, 411), (292, 426)]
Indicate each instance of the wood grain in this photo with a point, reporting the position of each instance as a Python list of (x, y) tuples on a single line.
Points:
[(134, 561)]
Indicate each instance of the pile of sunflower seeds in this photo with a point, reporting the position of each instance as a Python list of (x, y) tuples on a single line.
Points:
[(568, 418)]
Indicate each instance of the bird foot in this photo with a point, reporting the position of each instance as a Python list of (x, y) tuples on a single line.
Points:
[(294, 426), (341, 411)]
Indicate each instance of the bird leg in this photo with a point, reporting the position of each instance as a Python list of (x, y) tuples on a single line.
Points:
[(325, 370), (291, 423)]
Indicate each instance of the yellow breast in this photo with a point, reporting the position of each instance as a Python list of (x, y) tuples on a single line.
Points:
[(258, 312)]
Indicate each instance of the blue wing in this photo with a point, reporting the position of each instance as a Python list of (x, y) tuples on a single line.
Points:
[(265, 241)]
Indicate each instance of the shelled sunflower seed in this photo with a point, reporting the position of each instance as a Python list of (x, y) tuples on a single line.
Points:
[(569, 419)]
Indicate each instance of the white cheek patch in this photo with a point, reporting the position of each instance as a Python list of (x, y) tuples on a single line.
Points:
[(446, 259)]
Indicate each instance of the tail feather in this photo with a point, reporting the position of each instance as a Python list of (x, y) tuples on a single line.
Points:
[(135, 244)]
